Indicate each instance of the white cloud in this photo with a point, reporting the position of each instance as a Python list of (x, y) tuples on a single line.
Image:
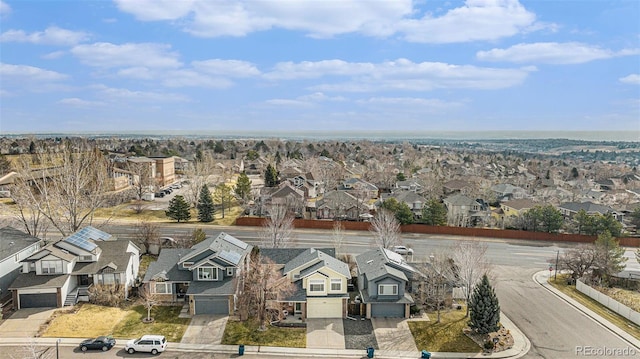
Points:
[(416, 102), (401, 74), (53, 55), (305, 100), (552, 53), (122, 94), (29, 73), (53, 35), (228, 68), (633, 79), (190, 78), (76, 102), (129, 55), (5, 9), (476, 20), (239, 17)]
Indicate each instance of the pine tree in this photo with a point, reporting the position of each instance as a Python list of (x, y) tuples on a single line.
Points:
[(434, 213), (243, 187), (484, 308), (205, 205), (270, 176), (178, 209)]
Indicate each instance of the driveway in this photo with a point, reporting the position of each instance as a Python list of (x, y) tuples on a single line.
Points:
[(393, 334), (25, 323), (325, 333), (205, 329)]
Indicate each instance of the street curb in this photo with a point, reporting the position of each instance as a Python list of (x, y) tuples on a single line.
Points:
[(614, 329)]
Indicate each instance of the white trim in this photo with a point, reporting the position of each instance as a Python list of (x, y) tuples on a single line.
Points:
[(313, 282), (167, 287), (202, 276), (335, 281), (394, 289)]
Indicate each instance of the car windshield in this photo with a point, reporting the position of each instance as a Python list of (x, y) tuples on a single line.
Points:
[(101, 339)]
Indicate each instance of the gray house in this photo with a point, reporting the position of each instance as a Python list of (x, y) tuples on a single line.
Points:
[(202, 277), (384, 279), (15, 246)]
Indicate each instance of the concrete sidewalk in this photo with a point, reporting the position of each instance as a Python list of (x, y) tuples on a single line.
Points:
[(542, 278)]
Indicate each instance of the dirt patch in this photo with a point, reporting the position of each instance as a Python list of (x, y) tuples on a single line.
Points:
[(502, 339), (358, 334)]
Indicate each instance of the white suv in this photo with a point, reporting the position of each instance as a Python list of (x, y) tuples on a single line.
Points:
[(403, 250), (153, 344)]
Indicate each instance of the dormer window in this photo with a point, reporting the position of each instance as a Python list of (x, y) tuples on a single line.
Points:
[(86, 258), (207, 273), (52, 267)]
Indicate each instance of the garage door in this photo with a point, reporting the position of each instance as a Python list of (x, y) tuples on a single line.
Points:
[(387, 310), (324, 307), (38, 300), (208, 305)]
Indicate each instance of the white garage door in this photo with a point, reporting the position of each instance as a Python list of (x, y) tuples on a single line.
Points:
[(324, 307)]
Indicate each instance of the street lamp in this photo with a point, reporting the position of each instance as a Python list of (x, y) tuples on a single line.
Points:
[(57, 350)]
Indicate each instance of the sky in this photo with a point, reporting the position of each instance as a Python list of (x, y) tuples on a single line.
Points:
[(319, 65)]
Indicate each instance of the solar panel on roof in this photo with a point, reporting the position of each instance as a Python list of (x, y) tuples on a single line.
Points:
[(231, 257), (83, 237), (236, 242)]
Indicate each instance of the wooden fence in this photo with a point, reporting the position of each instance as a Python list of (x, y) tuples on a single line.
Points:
[(446, 230)]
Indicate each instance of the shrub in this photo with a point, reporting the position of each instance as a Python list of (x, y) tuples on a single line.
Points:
[(111, 295)]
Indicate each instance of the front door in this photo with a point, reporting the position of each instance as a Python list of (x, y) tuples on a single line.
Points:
[(85, 280), (181, 290), (298, 308)]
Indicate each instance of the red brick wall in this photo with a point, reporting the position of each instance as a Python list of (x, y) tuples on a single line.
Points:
[(458, 231)]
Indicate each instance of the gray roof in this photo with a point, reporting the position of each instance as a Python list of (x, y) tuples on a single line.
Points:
[(588, 207), (31, 280), (13, 241), (168, 262), (284, 255), (223, 242), (375, 264), (114, 251), (222, 287), (298, 295), (406, 196), (405, 299), (310, 257), (460, 200)]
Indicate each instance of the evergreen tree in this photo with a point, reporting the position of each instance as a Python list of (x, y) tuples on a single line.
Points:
[(178, 209), (243, 187), (434, 213), (404, 215), (205, 207), (610, 257), (484, 308), (270, 176), (223, 194)]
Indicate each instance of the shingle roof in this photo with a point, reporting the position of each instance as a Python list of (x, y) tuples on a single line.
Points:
[(114, 251), (31, 280), (284, 255), (223, 287), (311, 256), (13, 241), (588, 207), (375, 264), (167, 262)]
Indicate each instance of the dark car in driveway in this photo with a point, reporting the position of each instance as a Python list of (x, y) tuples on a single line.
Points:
[(100, 343)]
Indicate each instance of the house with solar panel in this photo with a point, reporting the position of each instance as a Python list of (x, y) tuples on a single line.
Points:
[(62, 272), (202, 277)]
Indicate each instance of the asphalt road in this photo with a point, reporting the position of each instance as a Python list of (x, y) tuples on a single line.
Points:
[(556, 330)]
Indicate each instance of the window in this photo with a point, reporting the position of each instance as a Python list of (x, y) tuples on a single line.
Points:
[(388, 289), (316, 285), (51, 267), (109, 278), (86, 258), (336, 284), (207, 273), (163, 288)]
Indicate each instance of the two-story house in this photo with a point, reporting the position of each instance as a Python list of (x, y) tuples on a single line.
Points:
[(203, 276), (415, 201), (384, 279), (15, 246), (320, 281), (61, 272), (464, 211)]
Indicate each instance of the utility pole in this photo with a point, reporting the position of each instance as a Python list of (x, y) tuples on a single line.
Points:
[(555, 275)]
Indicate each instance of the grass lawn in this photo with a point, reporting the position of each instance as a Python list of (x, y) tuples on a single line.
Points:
[(94, 320), (145, 260), (613, 317), (446, 336), (89, 321), (166, 322), (247, 333)]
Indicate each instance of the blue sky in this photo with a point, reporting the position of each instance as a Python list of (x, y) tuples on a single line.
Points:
[(319, 65)]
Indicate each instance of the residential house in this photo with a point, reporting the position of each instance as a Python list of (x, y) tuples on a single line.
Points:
[(409, 185), (203, 277), (464, 211), (516, 207), (415, 201), (320, 281), (384, 279), (340, 205), (505, 192), (457, 186), (569, 209), (15, 246), (359, 188), (62, 272), (284, 195)]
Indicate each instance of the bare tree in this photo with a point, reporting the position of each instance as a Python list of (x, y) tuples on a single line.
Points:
[(147, 233), (33, 350), (263, 287), (579, 260), (471, 264), (65, 187), (277, 229), (436, 282), (25, 212), (198, 175), (149, 300), (143, 180), (385, 229), (338, 236)]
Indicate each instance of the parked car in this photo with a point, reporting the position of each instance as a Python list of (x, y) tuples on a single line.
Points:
[(100, 343), (402, 250), (153, 344)]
